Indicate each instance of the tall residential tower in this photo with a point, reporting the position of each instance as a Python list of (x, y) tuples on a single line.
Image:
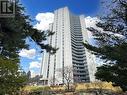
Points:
[(70, 33)]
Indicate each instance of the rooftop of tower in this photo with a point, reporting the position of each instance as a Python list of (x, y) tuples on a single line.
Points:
[(66, 7)]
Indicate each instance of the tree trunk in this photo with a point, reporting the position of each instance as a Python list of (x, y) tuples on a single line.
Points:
[(68, 86)]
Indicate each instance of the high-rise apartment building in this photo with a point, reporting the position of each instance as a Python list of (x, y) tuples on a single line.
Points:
[(70, 33)]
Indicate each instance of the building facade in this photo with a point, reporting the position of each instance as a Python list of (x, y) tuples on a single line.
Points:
[(69, 34)]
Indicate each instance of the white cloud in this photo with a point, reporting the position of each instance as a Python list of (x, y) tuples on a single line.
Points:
[(34, 68), (44, 19), (39, 58), (27, 53), (35, 64), (33, 73), (91, 22)]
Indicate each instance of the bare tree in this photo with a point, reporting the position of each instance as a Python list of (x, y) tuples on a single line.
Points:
[(67, 74)]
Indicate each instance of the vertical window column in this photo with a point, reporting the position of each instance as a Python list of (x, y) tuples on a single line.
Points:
[(63, 44)]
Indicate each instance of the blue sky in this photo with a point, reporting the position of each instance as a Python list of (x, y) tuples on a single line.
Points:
[(33, 7), (87, 7)]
